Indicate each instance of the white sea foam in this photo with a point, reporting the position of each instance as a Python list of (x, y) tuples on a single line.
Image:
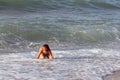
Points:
[(82, 64)]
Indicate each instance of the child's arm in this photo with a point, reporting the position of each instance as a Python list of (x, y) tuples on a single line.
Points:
[(37, 56), (50, 55), (39, 53)]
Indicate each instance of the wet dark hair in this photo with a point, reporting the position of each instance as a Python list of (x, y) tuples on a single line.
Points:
[(46, 46)]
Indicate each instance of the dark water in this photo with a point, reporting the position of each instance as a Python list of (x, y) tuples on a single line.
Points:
[(32, 5)]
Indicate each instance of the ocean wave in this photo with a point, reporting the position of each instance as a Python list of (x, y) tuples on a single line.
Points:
[(21, 32), (31, 5), (58, 26), (22, 36)]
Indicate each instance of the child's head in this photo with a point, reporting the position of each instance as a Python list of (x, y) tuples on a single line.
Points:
[(46, 47)]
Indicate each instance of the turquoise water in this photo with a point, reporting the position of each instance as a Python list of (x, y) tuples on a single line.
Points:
[(84, 36)]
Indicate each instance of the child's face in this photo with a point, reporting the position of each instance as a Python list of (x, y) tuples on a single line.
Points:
[(44, 49)]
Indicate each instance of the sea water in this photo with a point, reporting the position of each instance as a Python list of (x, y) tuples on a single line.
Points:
[(81, 64), (84, 36)]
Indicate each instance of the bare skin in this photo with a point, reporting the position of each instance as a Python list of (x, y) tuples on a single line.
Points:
[(44, 53)]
